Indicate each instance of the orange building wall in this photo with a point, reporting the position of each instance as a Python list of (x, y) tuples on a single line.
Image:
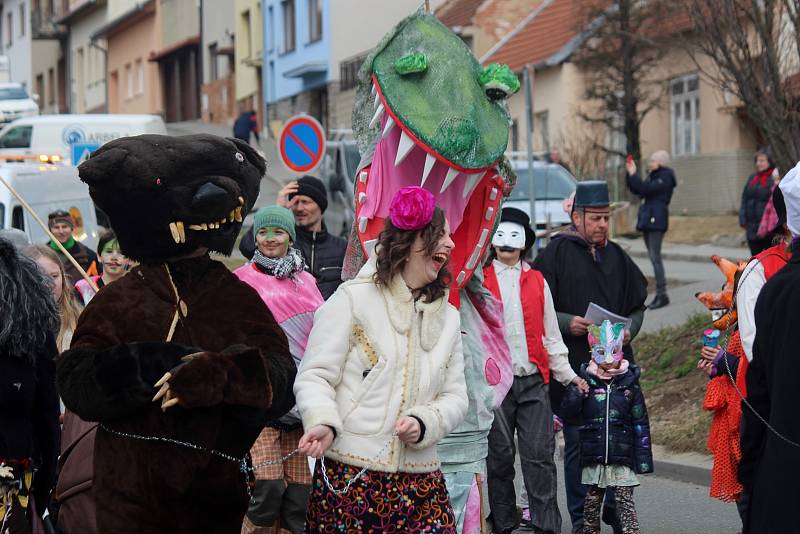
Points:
[(126, 46)]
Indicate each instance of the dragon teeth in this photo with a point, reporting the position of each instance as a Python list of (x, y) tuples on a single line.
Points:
[(430, 161), (374, 89), (388, 127), (376, 119), (404, 148), (238, 214), (472, 181), (451, 176), (181, 231), (375, 102)]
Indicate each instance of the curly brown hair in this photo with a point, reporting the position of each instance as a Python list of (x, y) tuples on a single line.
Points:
[(394, 248)]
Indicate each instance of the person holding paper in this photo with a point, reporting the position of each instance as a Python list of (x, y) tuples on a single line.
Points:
[(537, 352), (582, 266)]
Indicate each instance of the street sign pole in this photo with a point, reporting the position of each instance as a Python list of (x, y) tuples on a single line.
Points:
[(528, 82)]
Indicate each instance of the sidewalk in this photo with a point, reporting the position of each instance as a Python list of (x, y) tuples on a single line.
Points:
[(680, 252)]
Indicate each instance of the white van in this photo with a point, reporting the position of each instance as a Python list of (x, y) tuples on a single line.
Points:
[(70, 138), (46, 188)]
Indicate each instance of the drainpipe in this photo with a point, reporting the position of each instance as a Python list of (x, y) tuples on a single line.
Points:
[(201, 63)]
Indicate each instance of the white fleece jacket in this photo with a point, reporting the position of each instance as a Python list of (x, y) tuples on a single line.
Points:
[(373, 356)]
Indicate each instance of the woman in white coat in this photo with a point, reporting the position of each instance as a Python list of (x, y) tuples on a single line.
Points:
[(382, 382)]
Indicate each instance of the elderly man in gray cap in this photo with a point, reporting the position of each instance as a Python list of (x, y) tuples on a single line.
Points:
[(583, 266)]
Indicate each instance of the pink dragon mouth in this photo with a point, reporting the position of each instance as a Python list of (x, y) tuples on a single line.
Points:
[(469, 197)]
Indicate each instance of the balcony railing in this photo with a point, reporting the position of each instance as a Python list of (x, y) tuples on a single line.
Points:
[(44, 26)]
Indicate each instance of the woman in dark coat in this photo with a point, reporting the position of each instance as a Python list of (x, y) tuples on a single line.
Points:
[(29, 428), (755, 196), (653, 220)]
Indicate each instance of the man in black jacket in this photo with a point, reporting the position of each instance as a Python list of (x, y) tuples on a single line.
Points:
[(653, 220), (583, 266), (323, 252)]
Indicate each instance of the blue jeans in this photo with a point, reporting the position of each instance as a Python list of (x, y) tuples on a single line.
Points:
[(576, 492)]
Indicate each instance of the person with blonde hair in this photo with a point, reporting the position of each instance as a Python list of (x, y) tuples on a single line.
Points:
[(68, 308), (653, 221)]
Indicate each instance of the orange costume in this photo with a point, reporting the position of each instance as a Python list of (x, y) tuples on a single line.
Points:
[(722, 397)]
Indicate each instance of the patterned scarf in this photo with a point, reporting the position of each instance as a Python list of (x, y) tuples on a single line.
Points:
[(281, 268), (573, 234), (608, 374)]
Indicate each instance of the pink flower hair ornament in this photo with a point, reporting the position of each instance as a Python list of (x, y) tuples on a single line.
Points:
[(412, 208)]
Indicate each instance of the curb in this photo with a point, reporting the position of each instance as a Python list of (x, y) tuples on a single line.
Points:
[(681, 256), (690, 474)]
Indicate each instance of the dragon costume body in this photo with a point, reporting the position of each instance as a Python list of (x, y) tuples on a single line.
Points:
[(427, 114)]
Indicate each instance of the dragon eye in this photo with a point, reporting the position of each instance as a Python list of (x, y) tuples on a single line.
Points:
[(498, 82), (411, 63)]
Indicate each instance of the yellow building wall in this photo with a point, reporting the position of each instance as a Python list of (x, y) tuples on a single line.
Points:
[(248, 52)]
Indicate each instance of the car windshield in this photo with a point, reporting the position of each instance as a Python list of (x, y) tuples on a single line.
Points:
[(13, 93), (551, 182)]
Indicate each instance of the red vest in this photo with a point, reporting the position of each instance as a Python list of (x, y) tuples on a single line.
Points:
[(773, 260), (531, 284)]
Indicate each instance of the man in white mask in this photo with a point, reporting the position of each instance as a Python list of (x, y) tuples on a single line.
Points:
[(537, 352)]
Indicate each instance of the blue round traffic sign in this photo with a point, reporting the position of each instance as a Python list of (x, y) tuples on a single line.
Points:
[(301, 144)]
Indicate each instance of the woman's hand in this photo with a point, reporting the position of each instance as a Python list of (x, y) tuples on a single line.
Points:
[(630, 167), (705, 366), (408, 429), (316, 441)]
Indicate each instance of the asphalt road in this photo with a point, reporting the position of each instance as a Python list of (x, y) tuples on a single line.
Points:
[(668, 507)]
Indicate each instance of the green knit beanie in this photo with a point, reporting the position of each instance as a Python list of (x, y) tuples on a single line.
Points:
[(275, 217)]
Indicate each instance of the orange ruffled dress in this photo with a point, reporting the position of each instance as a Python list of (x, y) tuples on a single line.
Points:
[(723, 438)]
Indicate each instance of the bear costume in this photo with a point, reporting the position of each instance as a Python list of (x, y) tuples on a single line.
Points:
[(170, 201)]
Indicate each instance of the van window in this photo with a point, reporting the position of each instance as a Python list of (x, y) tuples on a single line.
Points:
[(2, 216), (17, 220), (18, 137), (13, 93)]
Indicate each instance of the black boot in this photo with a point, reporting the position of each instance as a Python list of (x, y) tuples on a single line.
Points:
[(658, 302), (610, 514)]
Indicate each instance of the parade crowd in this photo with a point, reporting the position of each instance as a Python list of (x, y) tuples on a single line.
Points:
[(349, 444)]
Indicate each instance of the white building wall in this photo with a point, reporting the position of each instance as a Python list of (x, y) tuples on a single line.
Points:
[(219, 25), (87, 64), (18, 47)]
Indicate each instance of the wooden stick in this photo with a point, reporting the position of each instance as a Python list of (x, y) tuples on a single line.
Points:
[(479, 482), (50, 234)]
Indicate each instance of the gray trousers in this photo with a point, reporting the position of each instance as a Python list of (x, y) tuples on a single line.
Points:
[(653, 240), (526, 410)]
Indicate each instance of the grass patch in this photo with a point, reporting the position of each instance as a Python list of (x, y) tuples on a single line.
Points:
[(673, 388)]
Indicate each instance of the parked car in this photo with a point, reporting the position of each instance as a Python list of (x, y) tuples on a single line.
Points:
[(15, 103), (47, 188), (70, 138), (338, 170), (552, 184)]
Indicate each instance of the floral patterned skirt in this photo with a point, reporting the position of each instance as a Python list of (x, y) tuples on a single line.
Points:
[(379, 502)]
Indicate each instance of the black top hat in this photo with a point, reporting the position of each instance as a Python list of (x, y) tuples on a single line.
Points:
[(591, 194), (518, 216)]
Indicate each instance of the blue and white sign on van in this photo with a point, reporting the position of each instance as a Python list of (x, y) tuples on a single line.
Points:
[(72, 135), (81, 152)]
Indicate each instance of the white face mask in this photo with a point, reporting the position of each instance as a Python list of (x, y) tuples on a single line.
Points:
[(509, 235)]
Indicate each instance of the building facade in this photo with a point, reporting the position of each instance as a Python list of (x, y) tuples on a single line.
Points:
[(86, 58), (249, 57), (711, 151), (218, 93), (32, 40), (313, 52), (132, 35)]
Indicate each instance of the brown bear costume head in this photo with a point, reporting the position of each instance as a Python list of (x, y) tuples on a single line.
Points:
[(169, 196)]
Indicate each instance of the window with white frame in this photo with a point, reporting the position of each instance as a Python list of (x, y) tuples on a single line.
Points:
[(287, 8), (22, 20), (685, 112), (129, 79), (139, 77)]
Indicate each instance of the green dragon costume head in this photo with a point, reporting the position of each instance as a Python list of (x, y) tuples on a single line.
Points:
[(428, 114)]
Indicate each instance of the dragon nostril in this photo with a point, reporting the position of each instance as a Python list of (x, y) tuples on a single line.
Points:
[(209, 195)]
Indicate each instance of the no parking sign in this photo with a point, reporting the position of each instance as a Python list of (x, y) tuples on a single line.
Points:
[(301, 145)]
